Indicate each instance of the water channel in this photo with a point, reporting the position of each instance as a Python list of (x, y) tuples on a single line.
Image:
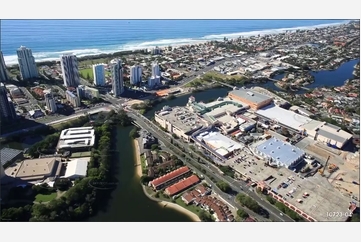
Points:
[(128, 202)]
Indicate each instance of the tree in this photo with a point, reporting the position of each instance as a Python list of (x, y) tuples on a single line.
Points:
[(205, 217), (134, 133), (224, 186), (154, 147), (242, 214)]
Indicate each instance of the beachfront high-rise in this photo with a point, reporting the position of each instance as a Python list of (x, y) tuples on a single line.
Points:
[(70, 71), (50, 101), (99, 75), (27, 65), (7, 109), (155, 69), (117, 79), (135, 74), (3, 72)]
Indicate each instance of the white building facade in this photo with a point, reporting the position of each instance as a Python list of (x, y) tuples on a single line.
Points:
[(70, 71), (135, 75), (27, 65), (99, 74)]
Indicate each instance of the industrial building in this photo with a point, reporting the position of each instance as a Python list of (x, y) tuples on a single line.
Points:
[(279, 153), (179, 121), (76, 169), (329, 134), (82, 138), (284, 117), (35, 169), (8, 155), (250, 97), (220, 144), (319, 131)]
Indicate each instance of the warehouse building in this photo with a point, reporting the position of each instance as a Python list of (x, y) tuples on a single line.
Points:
[(329, 134), (76, 169), (250, 97), (279, 153)]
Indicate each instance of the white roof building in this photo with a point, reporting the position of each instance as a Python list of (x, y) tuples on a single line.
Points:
[(76, 169), (81, 137)]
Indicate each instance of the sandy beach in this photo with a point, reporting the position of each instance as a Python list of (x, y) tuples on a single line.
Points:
[(177, 207), (137, 158), (180, 209)]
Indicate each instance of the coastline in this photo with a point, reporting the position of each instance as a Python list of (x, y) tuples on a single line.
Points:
[(138, 172), (174, 206), (47, 57), (138, 163)]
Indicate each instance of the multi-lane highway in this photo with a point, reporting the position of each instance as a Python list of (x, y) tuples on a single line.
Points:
[(238, 186)]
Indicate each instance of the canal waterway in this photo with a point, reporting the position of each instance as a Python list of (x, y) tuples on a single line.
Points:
[(128, 203), (333, 78)]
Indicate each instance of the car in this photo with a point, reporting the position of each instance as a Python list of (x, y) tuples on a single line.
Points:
[(281, 214)]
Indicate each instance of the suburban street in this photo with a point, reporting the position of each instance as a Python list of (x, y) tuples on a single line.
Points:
[(237, 186)]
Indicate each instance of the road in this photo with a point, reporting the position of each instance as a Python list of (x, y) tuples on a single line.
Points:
[(226, 197), (94, 110), (237, 186)]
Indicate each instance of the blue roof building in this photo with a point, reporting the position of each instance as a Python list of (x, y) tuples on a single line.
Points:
[(280, 153)]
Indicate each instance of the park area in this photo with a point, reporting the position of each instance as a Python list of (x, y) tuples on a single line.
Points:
[(45, 197), (87, 73)]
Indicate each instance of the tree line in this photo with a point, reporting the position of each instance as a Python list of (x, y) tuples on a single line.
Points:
[(88, 194)]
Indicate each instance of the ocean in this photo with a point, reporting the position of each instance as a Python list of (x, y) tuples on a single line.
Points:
[(49, 39)]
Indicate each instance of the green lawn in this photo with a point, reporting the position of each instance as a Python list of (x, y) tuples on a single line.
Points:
[(45, 198), (87, 63), (191, 208), (81, 154), (85, 72), (142, 161)]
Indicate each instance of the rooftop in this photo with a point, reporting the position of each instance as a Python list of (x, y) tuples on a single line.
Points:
[(218, 142), (77, 137), (181, 118), (322, 196), (34, 168), (283, 116), (281, 152), (77, 167), (181, 185), (171, 175), (7, 154), (250, 95)]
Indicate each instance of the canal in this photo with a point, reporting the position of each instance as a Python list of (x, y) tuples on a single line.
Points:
[(128, 202)]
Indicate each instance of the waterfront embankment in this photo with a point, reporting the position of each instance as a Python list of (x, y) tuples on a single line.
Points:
[(138, 167), (137, 158)]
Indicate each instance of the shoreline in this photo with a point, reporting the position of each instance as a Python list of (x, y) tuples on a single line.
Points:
[(138, 162), (121, 52), (194, 217), (138, 172)]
